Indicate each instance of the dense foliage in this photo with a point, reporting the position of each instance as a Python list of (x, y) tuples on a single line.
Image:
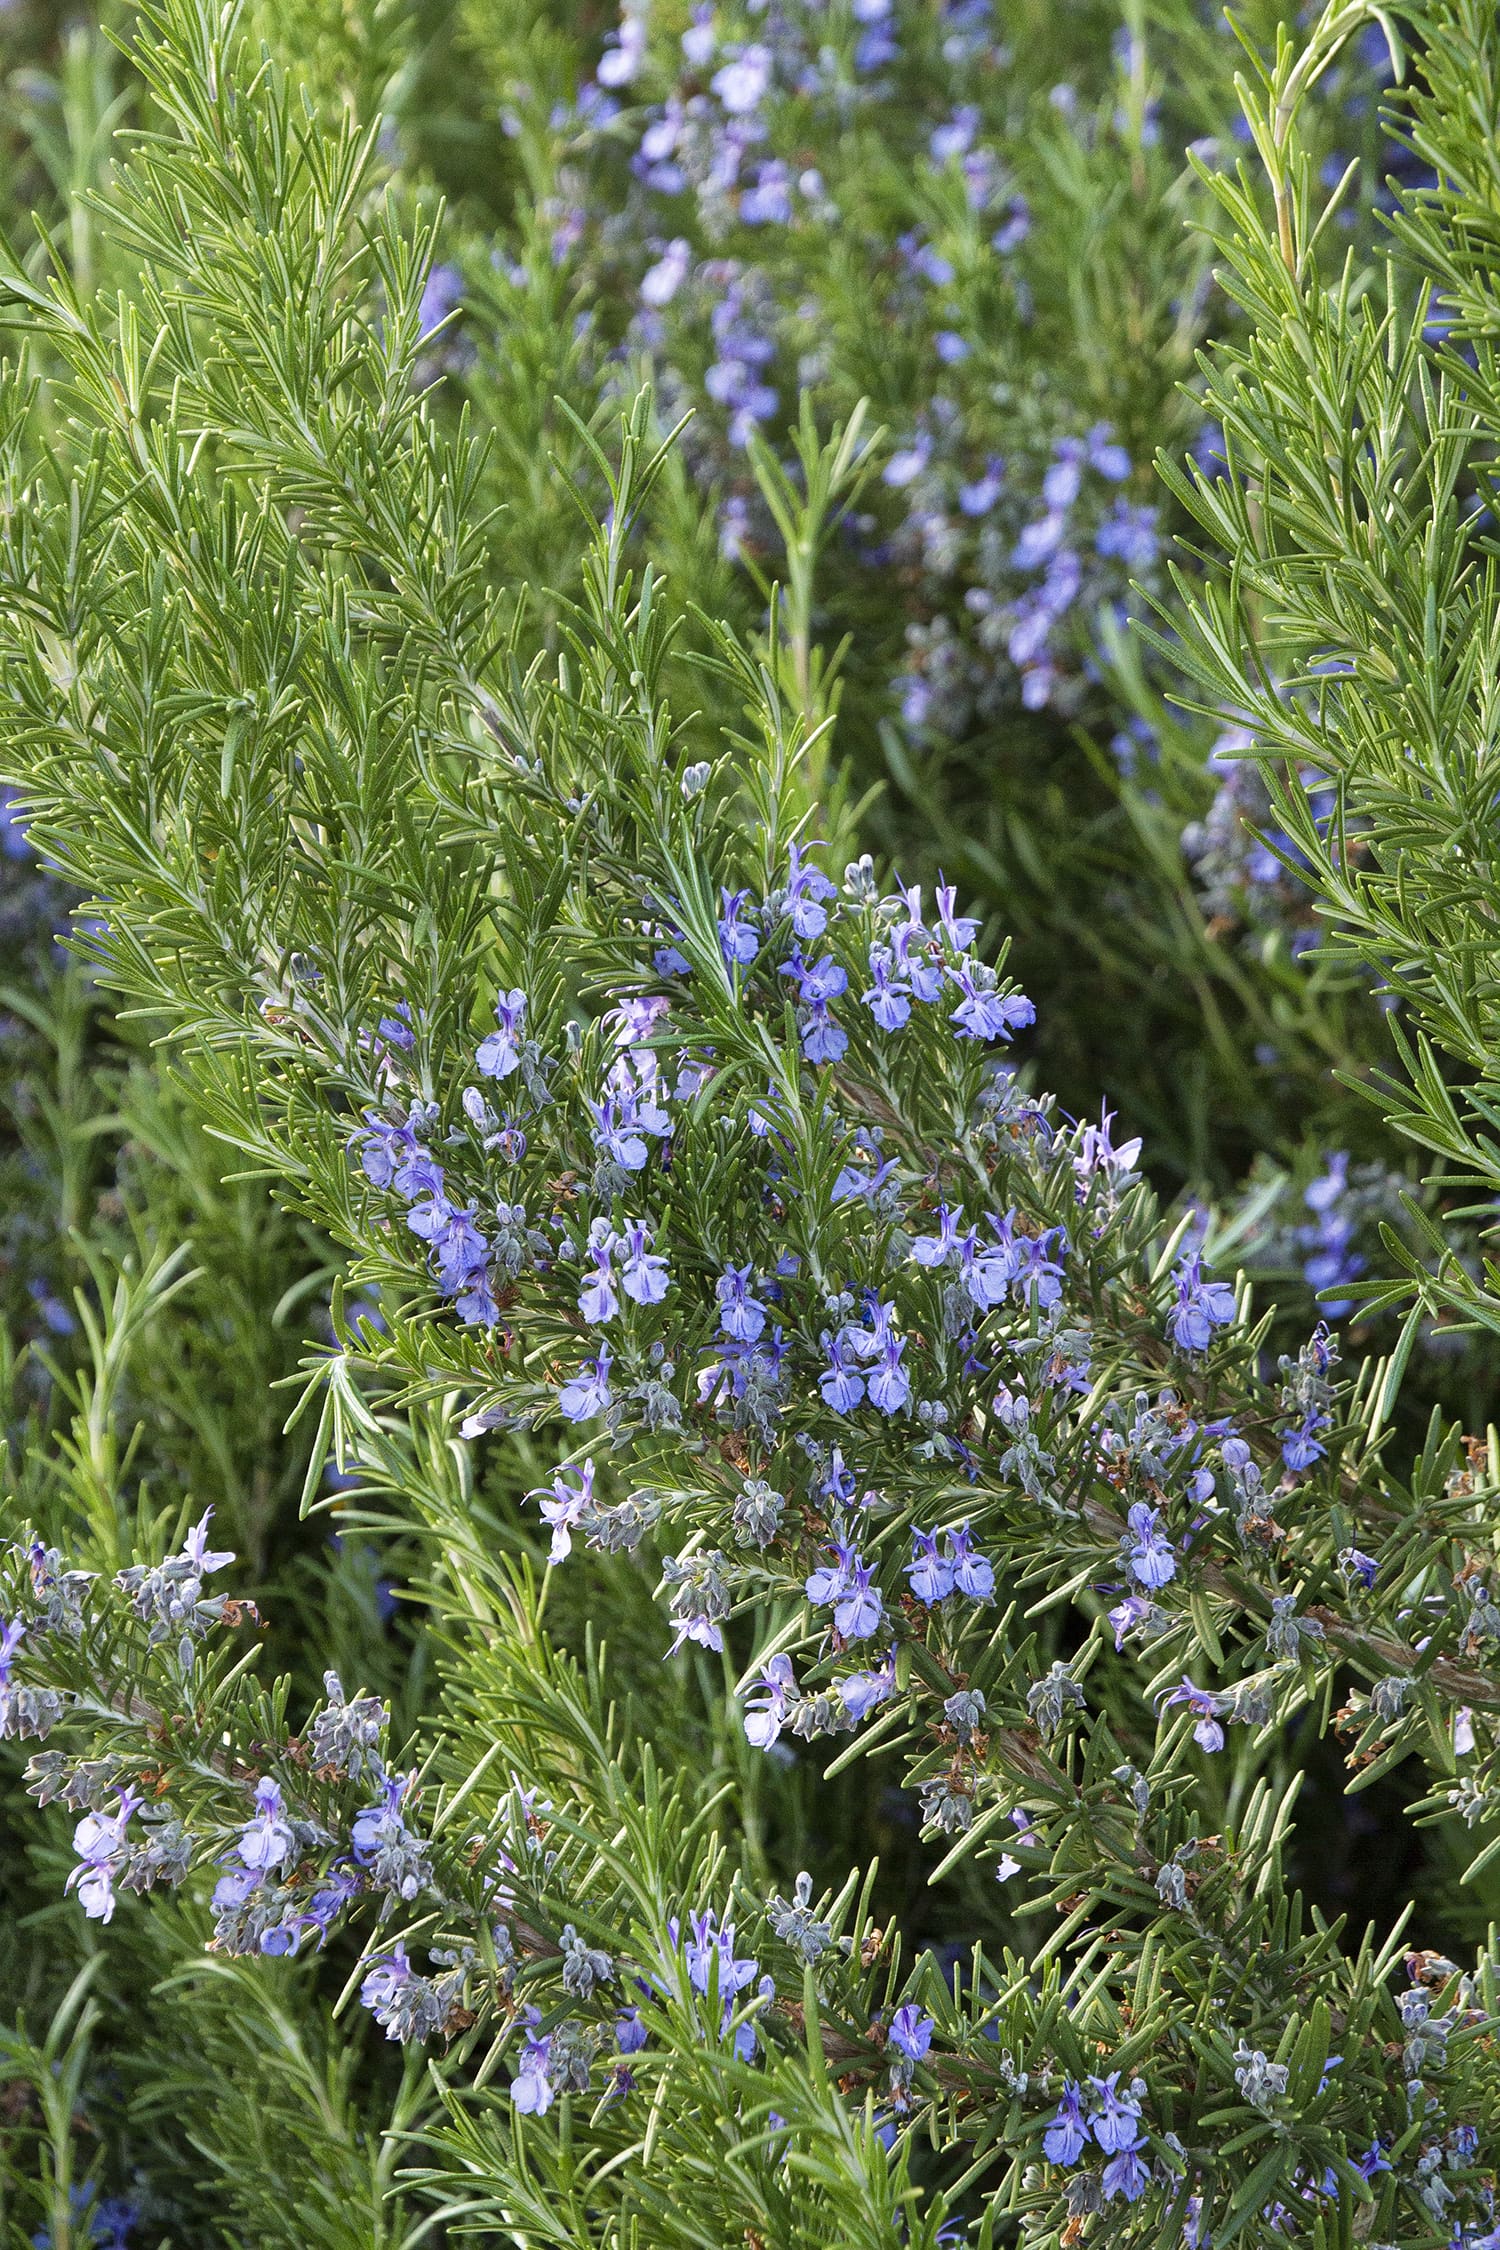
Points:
[(525, 1097)]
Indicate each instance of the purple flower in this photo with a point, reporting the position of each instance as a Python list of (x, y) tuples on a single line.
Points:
[(1202, 1306), (817, 981), (741, 84), (267, 1839), (977, 498), (500, 1054), (823, 1041), (983, 1014), (1067, 2136), (911, 2032), (807, 886), (930, 1573), (766, 1713), (1150, 1557), (1129, 534), (1362, 1567), (99, 1840), (1300, 1446), (844, 1584), (441, 292), (959, 929), (588, 1392), (1127, 1616), (1106, 455), (1060, 484), (859, 1610), (597, 1300), (942, 1248), (973, 1574), (1208, 1734), (643, 1276), (741, 1315), (737, 941), (531, 2088), (564, 1505), (843, 1386), (889, 1384), (1126, 2175), (1116, 2122), (1039, 540), (630, 2032), (393, 1156), (196, 1551), (661, 282), (698, 39), (905, 466), (861, 1692)]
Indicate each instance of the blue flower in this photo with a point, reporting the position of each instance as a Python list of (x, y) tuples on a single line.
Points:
[(1202, 1306), (843, 1386), (888, 1384), (844, 1583), (500, 1054), (1300, 1447), (99, 1840), (737, 941), (267, 1839), (1150, 1557), (597, 1299), (888, 1000), (1106, 455), (442, 291), (807, 886), (741, 1315), (1129, 533), (742, 83), (1116, 2123), (661, 282), (588, 1392), (564, 1505), (1067, 2136), (1357, 1565), (942, 1248), (643, 1276), (823, 1041), (630, 2032), (978, 497), (1040, 539), (393, 1155), (911, 2032), (531, 2088), (984, 1014), (1061, 482), (906, 466), (766, 1713), (930, 1573), (973, 1574), (1208, 1734), (862, 1692), (1126, 2175)]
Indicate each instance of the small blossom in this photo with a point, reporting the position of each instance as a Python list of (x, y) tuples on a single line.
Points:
[(1202, 1306), (500, 1053), (1206, 1707), (1067, 2136), (1150, 1557), (911, 2032), (588, 1393), (767, 1712)]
